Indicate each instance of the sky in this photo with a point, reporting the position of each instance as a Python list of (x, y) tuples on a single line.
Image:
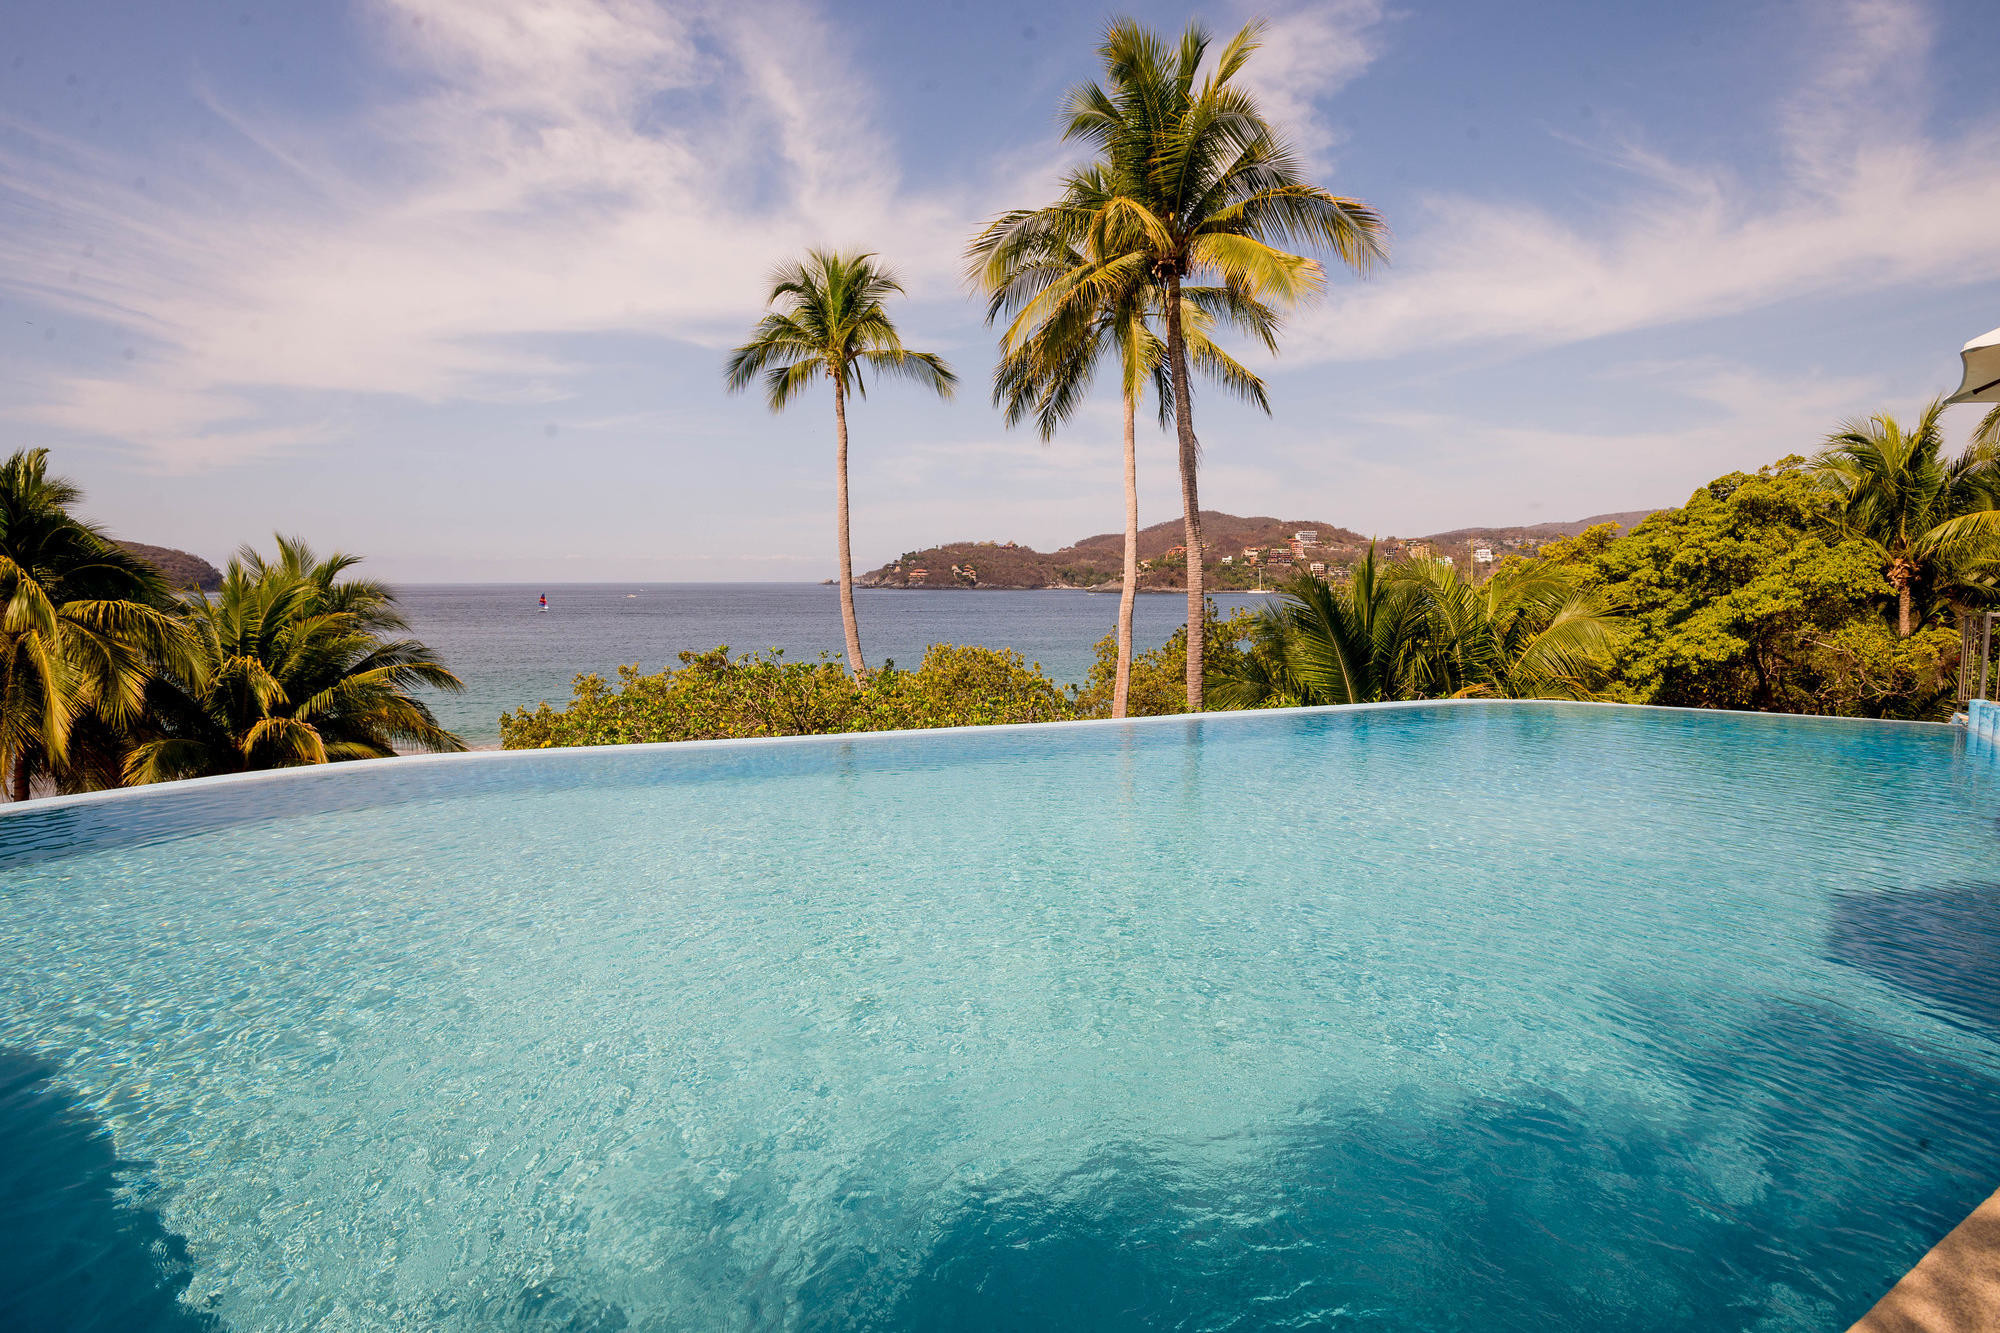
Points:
[(451, 285)]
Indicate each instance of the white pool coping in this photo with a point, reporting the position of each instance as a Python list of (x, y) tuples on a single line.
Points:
[(306, 772)]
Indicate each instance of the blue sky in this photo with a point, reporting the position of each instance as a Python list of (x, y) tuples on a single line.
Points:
[(450, 284)]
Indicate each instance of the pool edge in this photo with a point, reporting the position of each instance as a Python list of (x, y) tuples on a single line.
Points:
[(1954, 1288), (306, 772)]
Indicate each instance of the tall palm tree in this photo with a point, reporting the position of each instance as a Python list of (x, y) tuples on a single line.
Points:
[(81, 619), (290, 666), (1202, 191), (830, 321), (1919, 508), (1050, 354)]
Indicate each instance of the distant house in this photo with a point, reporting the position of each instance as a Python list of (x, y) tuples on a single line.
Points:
[(919, 575), (1317, 567), (1228, 559), (1308, 537), (1417, 550), (1250, 553), (1483, 555), (1173, 550)]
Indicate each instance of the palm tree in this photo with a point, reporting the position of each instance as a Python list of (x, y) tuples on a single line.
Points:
[(1201, 190), (1919, 509), (1420, 631), (832, 323), (289, 666), (1527, 632), (82, 618), (1049, 355), (1327, 644), (1986, 434)]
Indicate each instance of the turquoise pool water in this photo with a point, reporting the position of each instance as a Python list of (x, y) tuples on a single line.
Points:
[(1483, 1016)]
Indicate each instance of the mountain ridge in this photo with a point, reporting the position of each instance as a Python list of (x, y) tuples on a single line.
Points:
[(1094, 561)]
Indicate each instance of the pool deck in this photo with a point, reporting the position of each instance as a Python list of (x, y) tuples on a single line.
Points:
[(1953, 1289)]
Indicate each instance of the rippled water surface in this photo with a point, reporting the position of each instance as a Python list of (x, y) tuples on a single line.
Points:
[(1470, 1017)]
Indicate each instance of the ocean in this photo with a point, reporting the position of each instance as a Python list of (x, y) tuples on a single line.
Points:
[(510, 655)]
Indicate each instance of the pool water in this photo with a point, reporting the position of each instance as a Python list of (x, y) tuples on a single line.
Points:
[(1466, 1016)]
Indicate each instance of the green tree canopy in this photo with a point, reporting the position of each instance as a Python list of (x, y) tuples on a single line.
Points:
[(289, 665), (1749, 596), (1417, 630), (82, 619), (1923, 512)]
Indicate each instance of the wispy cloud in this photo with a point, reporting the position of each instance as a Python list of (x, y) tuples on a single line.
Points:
[(1863, 201), (559, 166), (1310, 53)]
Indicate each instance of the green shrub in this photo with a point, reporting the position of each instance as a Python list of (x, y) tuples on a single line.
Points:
[(713, 695)]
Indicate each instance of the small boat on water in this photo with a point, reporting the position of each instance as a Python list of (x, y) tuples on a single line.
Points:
[(545, 601)]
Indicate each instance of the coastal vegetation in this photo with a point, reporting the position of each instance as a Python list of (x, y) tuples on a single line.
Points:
[(288, 665), (1756, 594), (1764, 592), (108, 677), (84, 620), (830, 321), (1417, 630), (714, 695)]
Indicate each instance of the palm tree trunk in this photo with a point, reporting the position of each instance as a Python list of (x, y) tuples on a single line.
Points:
[(1190, 500), (18, 785), (1903, 611), (1121, 691), (855, 662)]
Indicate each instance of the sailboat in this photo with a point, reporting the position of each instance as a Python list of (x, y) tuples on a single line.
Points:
[(545, 601)]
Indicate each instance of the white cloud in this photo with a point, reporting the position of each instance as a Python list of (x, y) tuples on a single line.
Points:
[(1310, 53), (1864, 202), (560, 166)]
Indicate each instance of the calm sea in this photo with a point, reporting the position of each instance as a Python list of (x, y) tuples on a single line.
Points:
[(509, 654)]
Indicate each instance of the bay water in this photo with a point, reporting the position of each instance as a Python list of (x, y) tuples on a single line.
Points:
[(510, 654)]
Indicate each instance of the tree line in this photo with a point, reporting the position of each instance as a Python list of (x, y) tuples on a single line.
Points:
[(108, 676)]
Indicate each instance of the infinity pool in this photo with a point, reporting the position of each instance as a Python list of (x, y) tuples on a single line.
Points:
[(1473, 1016)]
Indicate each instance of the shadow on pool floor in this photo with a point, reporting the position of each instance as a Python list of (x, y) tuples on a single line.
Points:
[(1941, 945), (75, 1252)]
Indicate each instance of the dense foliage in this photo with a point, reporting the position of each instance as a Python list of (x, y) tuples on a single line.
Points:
[(1751, 596), (83, 620), (1419, 631), (288, 665), (1929, 517), (108, 678), (713, 695)]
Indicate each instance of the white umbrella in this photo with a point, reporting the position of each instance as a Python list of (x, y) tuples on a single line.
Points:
[(1982, 370)]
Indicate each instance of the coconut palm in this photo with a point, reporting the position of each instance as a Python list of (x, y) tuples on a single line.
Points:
[(289, 666), (1420, 631), (1921, 510), (81, 619), (1201, 191), (831, 322), (1050, 355), (1528, 632)]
